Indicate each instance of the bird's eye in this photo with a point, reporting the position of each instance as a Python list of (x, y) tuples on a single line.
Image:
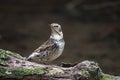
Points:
[(55, 26)]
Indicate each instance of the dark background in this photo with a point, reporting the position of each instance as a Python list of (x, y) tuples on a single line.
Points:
[(91, 29)]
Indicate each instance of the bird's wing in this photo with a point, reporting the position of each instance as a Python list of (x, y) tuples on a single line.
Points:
[(43, 51), (47, 46)]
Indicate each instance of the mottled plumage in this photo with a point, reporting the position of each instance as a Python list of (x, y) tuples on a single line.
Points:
[(52, 48)]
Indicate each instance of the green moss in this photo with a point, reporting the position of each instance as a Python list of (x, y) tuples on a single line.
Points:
[(93, 72), (5, 53), (19, 72), (110, 77), (38, 71), (2, 71), (3, 57), (14, 72), (56, 71), (84, 73)]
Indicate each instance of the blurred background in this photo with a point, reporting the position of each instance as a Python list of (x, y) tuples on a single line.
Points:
[(91, 29)]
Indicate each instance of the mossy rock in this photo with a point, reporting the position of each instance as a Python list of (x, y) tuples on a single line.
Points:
[(92, 73), (9, 72)]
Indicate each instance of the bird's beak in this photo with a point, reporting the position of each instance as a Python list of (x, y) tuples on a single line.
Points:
[(54, 31)]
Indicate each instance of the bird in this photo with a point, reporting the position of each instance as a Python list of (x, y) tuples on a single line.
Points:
[(52, 48)]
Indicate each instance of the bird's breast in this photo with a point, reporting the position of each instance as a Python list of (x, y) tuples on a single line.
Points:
[(58, 51), (61, 44)]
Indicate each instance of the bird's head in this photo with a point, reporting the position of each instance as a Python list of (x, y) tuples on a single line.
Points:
[(56, 31)]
